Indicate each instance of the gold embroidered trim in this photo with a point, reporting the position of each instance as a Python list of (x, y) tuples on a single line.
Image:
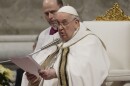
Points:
[(62, 68), (114, 14), (47, 62)]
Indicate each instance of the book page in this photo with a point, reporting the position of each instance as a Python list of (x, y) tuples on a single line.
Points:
[(28, 64)]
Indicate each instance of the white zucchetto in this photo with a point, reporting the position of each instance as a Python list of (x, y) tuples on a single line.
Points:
[(68, 9)]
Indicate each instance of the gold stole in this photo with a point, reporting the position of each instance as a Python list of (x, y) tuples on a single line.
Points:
[(63, 77)]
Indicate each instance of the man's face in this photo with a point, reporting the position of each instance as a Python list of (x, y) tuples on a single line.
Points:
[(67, 25), (50, 7)]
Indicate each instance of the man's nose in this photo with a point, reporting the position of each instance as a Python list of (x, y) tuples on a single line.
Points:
[(50, 15), (60, 27)]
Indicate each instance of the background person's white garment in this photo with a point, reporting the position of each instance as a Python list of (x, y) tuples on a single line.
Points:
[(87, 61), (43, 39)]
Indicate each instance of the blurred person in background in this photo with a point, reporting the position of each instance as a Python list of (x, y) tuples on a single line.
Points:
[(50, 7)]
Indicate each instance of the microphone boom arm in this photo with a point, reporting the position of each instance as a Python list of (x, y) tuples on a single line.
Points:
[(56, 41)]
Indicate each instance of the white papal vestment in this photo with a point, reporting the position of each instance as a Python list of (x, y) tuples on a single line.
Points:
[(81, 61)]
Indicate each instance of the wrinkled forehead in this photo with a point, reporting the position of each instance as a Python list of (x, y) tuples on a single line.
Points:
[(62, 15)]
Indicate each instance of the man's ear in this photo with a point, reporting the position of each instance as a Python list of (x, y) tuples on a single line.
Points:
[(77, 22)]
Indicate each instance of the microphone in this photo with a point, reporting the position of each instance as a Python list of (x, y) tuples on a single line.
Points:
[(56, 41)]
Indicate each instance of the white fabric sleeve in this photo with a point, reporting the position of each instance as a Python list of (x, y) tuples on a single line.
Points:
[(24, 80)]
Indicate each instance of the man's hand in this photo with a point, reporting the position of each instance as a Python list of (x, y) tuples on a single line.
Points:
[(32, 78), (47, 74)]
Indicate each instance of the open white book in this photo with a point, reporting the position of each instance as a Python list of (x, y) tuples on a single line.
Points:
[(28, 64)]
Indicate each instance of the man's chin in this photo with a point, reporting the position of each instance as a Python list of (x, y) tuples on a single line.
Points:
[(52, 24), (64, 39)]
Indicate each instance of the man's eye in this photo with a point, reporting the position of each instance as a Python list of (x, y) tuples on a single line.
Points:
[(46, 13), (53, 12), (64, 23)]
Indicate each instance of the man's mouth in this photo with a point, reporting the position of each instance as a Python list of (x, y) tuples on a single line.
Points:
[(62, 34)]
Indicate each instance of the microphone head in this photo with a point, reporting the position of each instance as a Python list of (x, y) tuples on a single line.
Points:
[(55, 42)]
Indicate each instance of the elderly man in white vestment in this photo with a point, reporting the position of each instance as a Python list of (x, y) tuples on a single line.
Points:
[(80, 59), (49, 8)]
